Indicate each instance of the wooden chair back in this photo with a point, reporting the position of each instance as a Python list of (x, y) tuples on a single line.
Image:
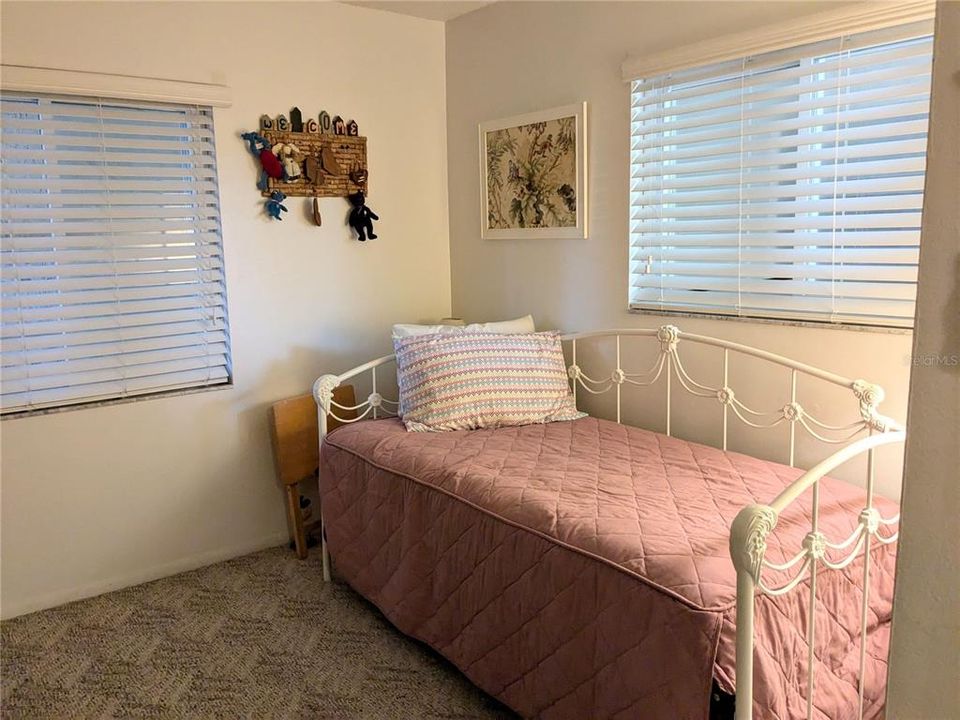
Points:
[(294, 427)]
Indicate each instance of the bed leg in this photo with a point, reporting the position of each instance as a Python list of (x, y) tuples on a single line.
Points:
[(745, 590), (324, 553)]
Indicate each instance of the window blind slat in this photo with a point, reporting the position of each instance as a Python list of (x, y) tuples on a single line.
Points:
[(49, 188), (118, 225), (58, 370), (60, 330), (108, 254), (143, 113), (109, 145), (54, 215), (801, 255), (103, 170), (27, 303), (807, 222), (112, 258), (822, 207), (727, 132), (47, 126), (684, 272), (893, 313), (115, 240), (878, 185), (786, 185), (882, 136), (26, 317), (52, 152), (645, 242), (39, 356), (130, 387), (25, 343), (121, 372), (768, 166), (144, 279), (89, 204), (109, 270), (783, 286)]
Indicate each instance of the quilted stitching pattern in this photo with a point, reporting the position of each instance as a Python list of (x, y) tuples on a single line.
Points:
[(594, 540)]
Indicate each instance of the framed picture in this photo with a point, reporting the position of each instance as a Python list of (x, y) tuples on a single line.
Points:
[(533, 171)]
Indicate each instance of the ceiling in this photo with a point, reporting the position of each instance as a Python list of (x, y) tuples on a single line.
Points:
[(442, 10)]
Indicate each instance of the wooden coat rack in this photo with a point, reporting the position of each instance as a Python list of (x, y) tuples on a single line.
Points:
[(350, 152)]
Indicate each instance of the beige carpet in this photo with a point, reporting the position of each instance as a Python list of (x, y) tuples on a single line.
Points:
[(257, 637)]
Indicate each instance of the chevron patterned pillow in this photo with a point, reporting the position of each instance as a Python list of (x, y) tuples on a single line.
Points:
[(482, 380)]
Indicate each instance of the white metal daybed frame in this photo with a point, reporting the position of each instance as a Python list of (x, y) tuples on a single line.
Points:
[(752, 525)]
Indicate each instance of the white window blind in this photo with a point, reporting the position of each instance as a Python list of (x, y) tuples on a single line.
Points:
[(111, 250), (784, 185)]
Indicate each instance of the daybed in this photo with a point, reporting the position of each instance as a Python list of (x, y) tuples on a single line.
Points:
[(586, 569)]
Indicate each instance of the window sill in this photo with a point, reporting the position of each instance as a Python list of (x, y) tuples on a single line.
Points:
[(637, 310), (117, 401)]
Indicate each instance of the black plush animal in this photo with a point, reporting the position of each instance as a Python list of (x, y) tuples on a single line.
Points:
[(361, 217)]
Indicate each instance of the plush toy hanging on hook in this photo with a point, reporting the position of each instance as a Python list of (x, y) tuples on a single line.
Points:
[(362, 217), (270, 165), (275, 205), (290, 159)]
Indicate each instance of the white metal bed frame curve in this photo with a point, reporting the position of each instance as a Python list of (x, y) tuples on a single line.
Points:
[(750, 528)]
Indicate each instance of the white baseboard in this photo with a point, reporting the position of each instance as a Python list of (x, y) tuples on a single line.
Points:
[(191, 562)]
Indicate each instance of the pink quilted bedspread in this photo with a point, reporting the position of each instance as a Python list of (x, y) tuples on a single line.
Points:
[(581, 569)]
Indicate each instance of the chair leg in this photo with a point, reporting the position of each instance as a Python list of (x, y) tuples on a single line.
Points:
[(296, 520), (324, 553)]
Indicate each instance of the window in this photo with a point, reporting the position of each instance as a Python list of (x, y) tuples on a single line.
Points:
[(111, 251), (784, 185)]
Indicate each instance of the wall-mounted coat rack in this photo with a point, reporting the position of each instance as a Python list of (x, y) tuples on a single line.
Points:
[(326, 161), (321, 157)]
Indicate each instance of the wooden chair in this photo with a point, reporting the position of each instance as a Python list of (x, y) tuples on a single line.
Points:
[(294, 427)]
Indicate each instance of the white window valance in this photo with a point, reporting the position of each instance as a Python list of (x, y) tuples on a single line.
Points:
[(56, 81)]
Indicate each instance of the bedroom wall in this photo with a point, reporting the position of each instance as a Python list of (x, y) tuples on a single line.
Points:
[(512, 58), (101, 498), (925, 652)]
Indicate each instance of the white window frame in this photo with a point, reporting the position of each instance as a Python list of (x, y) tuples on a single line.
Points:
[(73, 86), (814, 29)]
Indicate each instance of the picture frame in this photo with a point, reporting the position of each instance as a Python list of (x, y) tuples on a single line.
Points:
[(548, 147)]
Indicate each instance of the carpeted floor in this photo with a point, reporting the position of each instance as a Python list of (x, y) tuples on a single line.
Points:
[(257, 637)]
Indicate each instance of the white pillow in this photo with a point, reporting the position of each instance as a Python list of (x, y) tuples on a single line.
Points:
[(519, 326)]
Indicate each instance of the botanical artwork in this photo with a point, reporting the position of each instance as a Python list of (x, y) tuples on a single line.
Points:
[(531, 175)]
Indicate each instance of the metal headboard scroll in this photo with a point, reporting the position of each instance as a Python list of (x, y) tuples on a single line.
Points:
[(376, 405), (670, 365)]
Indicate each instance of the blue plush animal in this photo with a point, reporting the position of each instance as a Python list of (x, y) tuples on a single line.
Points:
[(275, 206), (269, 164)]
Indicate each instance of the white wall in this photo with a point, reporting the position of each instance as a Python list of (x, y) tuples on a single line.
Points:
[(513, 58), (99, 498), (925, 649)]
